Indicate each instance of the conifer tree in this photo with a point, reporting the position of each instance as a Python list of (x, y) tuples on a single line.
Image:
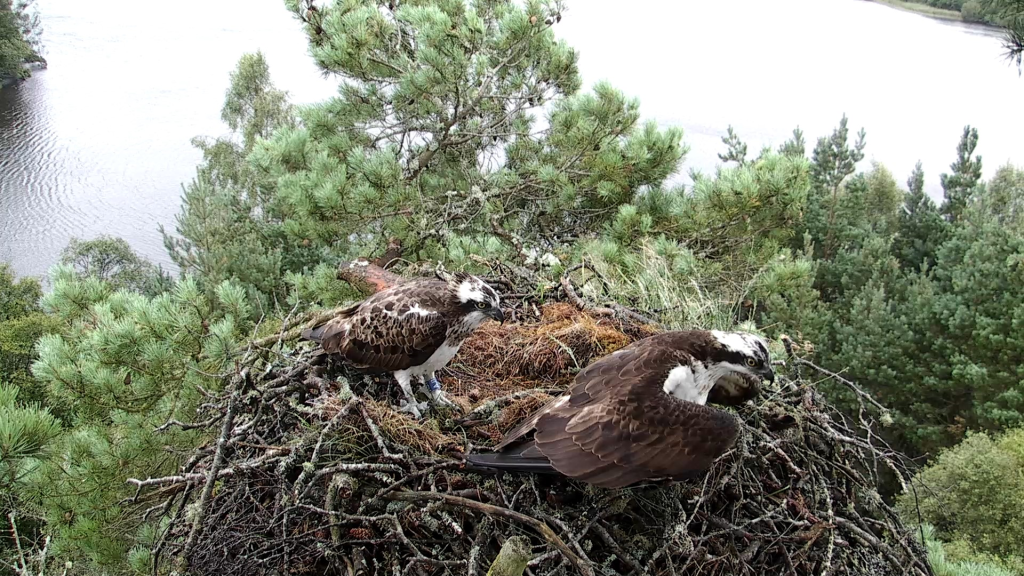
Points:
[(832, 161), (921, 229), (960, 185), (737, 149), (795, 146), (124, 365), (434, 133), (26, 433), (229, 226), (980, 301)]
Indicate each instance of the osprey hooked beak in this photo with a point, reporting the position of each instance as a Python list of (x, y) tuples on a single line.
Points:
[(768, 374), (497, 314)]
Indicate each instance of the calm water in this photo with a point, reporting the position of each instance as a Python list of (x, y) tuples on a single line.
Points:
[(99, 142)]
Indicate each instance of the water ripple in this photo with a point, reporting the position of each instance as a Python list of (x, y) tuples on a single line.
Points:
[(99, 142)]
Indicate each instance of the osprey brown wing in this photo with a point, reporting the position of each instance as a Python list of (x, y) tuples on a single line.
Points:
[(577, 391), (619, 427), (391, 330)]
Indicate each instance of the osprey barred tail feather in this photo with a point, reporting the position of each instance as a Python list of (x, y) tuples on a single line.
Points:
[(640, 413), (412, 330)]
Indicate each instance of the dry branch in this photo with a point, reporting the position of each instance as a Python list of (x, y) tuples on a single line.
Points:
[(541, 527)]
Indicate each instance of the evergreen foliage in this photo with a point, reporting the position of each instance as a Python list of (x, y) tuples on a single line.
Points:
[(125, 364), (1011, 15), (833, 160), (433, 139), (960, 186), (26, 434), (230, 226), (737, 149), (921, 229), (919, 308)]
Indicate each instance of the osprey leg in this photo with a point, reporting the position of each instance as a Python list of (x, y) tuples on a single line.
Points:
[(409, 404), (433, 389)]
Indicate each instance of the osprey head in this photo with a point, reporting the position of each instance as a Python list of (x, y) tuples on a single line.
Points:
[(748, 361), (477, 300)]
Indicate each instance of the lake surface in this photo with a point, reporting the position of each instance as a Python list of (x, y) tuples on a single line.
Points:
[(99, 142)]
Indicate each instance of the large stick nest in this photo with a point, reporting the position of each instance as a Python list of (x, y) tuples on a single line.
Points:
[(317, 473)]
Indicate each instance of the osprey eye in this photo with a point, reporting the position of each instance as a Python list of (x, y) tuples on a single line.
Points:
[(481, 305), (751, 362)]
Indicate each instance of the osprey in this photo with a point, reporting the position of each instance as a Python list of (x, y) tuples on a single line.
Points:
[(640, 412), (411, 329)]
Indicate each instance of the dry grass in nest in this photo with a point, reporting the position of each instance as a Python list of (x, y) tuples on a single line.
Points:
[(424, 436), (498, 360), (517, 411)]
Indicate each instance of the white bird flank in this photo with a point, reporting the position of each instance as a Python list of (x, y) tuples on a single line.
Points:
[(694, 383), (687, 384), (437, 360)]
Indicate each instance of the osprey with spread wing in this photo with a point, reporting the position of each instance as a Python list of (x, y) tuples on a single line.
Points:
[(412, 329), (640, 412)]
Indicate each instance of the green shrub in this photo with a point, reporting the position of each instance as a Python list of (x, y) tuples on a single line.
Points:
[(974, 493), (960, 559)]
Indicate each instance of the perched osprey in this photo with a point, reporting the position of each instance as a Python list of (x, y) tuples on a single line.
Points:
[(411, 329), (640, 412)]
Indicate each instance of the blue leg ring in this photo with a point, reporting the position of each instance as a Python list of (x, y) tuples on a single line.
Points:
[(433, 385)]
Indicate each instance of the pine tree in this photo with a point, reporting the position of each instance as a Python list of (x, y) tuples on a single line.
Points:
[(832, 161), (737, 149), (433, 139), (959, 187), (978, 278), (795, 146), (230, 226), (1012, 14), (124, 365), (26, 434), (921, 229)]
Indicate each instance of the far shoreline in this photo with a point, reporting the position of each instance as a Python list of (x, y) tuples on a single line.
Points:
[(924, 9), (932, 12)]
